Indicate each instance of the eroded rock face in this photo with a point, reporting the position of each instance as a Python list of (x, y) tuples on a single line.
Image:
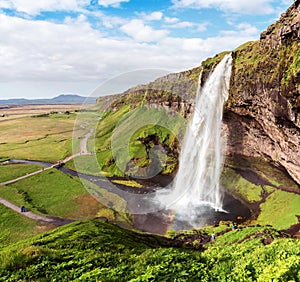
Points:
[(262, 115), (285, 30)]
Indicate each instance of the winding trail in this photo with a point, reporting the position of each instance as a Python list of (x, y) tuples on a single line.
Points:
[(83, 151), (57, 221), (28, 175)]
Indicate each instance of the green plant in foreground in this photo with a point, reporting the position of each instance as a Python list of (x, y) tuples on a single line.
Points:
[(99, 251)]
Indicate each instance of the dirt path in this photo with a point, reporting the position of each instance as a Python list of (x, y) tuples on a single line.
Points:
[(83, 143), (57, 221), (47, 219), (28, 175), (83, 151)]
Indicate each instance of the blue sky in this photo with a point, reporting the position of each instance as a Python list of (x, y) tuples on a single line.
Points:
[(49, 47)]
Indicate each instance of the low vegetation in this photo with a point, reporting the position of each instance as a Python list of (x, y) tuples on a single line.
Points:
[(15, 227), (264, 189), (132, 134), (50, 192), (46, 138), (12, 171), (98, 251), (280, 209)]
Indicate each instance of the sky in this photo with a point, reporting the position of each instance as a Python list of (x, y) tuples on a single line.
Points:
[(53, 47)]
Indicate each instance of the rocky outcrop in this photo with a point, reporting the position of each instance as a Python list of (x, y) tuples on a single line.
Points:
[(262, 114), (174, 92), (284, 31)]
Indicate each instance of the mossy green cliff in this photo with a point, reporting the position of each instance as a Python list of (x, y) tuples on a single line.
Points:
[(261, 121), (262, 113)]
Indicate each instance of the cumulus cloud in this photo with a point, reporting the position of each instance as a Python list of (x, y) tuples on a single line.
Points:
[(154, 16), (33, 7), (143, 33), (171, 20), (6, 4), (245, 7), (242, 28), (113, 3), (182, 25), (73, 51)]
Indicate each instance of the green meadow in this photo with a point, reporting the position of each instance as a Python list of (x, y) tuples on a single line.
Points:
[(45, 138), (12, 171), (99, 251)]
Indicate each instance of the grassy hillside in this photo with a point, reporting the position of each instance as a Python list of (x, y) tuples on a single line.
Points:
[(45, 137), (52, 193), (98, 251), (15, 227), (129, 135), (12, 171)]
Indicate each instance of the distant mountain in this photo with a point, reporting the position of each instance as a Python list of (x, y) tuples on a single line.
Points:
[(61, 99)]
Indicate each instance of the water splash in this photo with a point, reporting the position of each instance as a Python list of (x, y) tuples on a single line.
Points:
[(196, 189)]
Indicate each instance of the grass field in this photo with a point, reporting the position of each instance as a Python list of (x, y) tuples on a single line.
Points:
[(279, 209), (119, 135), (17, 112), (240, 186), (15, 227), (12, 171), (52, 193), (84, 164), (46, 138)]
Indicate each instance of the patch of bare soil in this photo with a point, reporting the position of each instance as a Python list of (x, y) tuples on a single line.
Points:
[(87, 207)]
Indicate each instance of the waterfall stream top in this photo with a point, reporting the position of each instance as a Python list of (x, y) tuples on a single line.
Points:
[(196, 187)]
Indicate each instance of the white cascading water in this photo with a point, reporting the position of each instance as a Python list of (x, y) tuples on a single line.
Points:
[(196, 187)]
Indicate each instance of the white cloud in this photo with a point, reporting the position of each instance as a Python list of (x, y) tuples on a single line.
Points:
[(6, 4), (244, 7), (33, 7), (154, 16), (113, 3), (185, 24), (171, 20), (243, 28), (112, 21), (202, 27), (75, 53), (248, 29), (143, 33), (182, 25)]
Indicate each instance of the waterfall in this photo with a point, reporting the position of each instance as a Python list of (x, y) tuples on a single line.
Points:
[(196, 187)]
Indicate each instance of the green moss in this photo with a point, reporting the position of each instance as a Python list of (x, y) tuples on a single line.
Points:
[(214, 61), (239, 186), (280, 210)]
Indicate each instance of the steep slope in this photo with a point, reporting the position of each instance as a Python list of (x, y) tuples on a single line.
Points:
[(98, 251), (262, 114)]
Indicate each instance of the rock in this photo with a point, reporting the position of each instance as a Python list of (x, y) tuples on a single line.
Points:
[(262, 114)]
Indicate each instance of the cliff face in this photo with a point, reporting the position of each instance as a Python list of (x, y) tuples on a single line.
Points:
[(261, 116)]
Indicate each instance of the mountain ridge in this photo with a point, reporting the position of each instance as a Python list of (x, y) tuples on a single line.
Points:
[(60, 99)]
